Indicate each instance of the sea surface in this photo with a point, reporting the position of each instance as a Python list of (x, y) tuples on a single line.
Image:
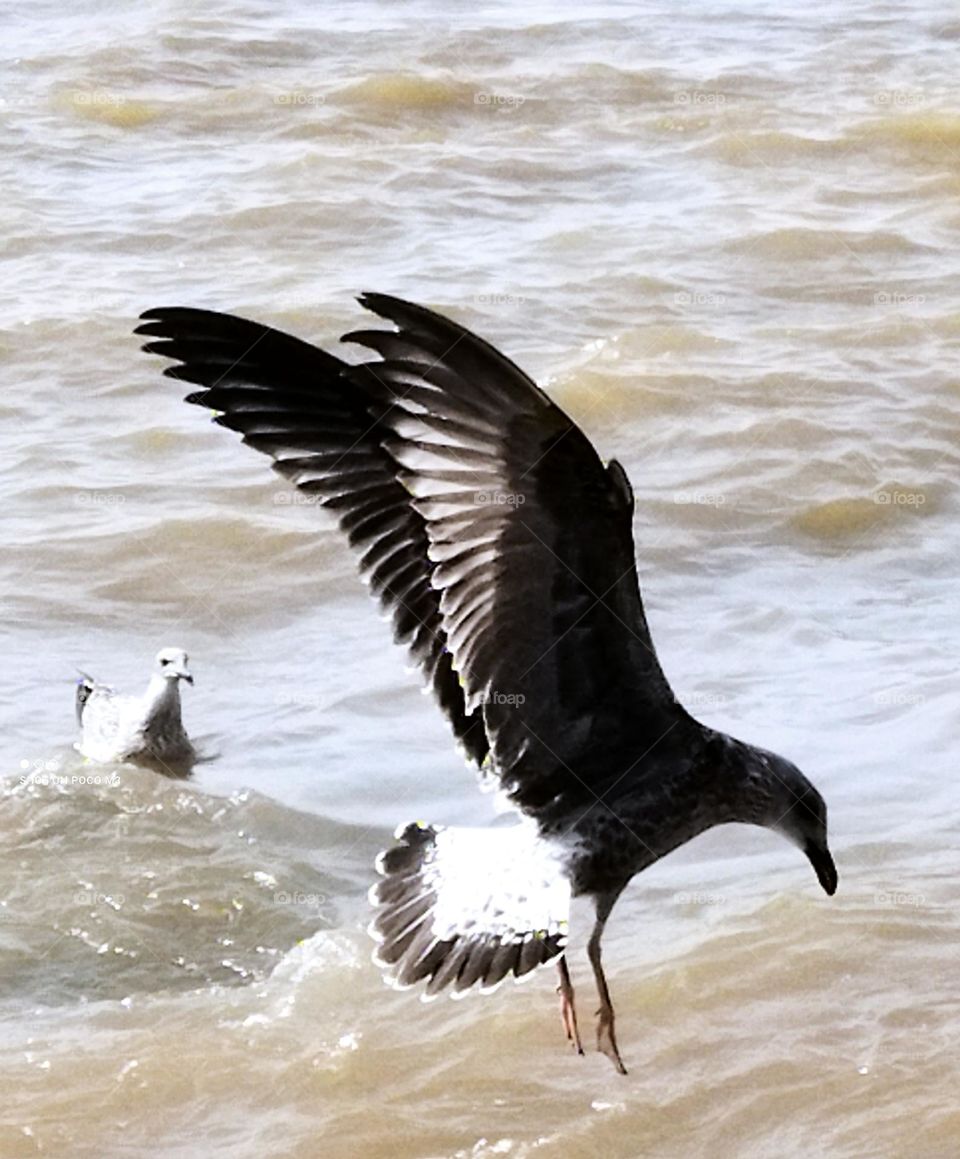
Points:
[(726, 238)]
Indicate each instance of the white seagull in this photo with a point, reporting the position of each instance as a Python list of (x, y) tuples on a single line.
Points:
[(145, 730)]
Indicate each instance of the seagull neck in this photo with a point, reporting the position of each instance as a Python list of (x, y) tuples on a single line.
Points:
[(162, 695)]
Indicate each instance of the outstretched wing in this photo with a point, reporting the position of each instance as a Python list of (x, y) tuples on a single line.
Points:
[(484, 505), (326, 435), (530, 537)]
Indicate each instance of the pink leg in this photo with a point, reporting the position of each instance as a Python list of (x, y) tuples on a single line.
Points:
[(606, 1039), (568, 1011)]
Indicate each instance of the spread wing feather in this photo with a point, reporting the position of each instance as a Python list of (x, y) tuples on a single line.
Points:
[(325, 434), (530, 537), (485, 521)]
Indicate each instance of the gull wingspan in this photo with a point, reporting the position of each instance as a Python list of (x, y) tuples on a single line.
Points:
[(486, 522), (326, 435), (530, 537)]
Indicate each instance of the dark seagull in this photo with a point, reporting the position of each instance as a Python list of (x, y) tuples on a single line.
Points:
[(501, 546)]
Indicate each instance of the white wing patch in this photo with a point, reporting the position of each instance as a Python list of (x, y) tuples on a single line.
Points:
[(143, 729), (103, 722), (465, 907)]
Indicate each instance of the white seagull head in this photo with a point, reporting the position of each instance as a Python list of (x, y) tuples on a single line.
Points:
[(172, 664)]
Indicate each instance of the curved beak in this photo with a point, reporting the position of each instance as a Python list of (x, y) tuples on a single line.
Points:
[(185, 675), (822, 861)]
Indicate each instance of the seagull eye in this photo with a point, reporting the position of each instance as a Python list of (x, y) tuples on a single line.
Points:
[(164, 661)]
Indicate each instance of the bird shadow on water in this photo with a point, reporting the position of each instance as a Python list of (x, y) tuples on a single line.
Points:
[(175, 771)]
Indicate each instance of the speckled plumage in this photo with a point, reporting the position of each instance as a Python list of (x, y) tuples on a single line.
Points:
[(502, 547), (145, 730)]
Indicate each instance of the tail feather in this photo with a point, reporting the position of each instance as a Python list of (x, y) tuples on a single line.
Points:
[(462, 907), (85, 686)]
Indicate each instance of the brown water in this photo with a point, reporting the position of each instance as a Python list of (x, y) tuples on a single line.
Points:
[(725, 237)]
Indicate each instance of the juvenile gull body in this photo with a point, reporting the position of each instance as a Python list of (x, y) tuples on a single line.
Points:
[(502, 547), (143, 729)]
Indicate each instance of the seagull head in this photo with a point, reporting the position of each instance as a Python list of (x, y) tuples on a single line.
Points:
[(172, 664), (784, 800)]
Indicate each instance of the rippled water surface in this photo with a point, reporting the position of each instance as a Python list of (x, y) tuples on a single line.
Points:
[(725, 237)]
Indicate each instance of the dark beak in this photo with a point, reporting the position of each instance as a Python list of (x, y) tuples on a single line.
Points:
[(186, 676), (823, 867)]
